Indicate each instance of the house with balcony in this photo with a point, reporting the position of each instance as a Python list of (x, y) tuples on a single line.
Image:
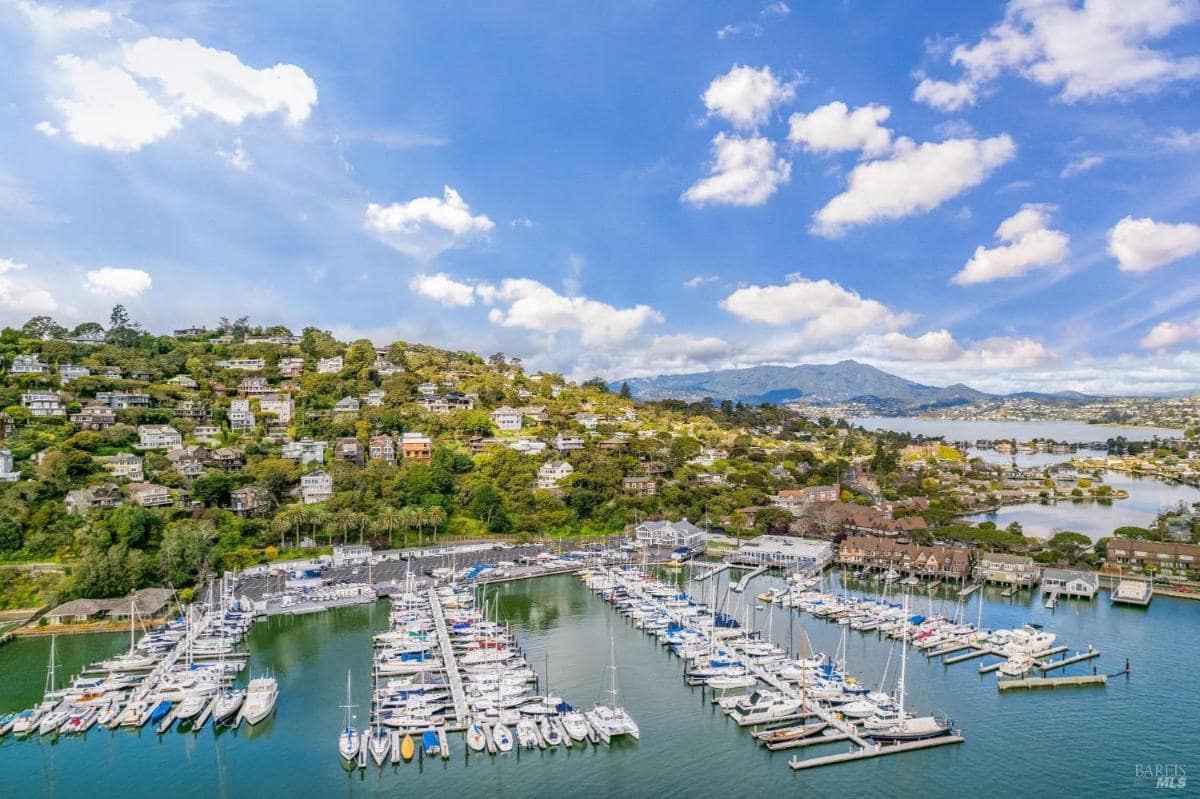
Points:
[(43, 404), (639, 486), (382, 448), (282, 406), (330, 366), (347, 406), (349, 450), (150, 495), (71, 371), (254, 387), (28, 365), (124, 466), (8, 474), (374, 398), (506, 418), (240, 415), (551, 473), (249, 501), (290, 366), (564, 442), (243, 364), (304, 451), (227, 458), (316, 487), (94, 417), (416, 446), (670, 535), (194, 410), (1157, 557), (158, 436), (99, 497), (120, 400), (1000, 567), (184, 381)]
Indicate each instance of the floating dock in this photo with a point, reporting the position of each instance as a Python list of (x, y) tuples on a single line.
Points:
[(1052, 682), (449, 661), (747, 577), (876, 750), (1050, 665)]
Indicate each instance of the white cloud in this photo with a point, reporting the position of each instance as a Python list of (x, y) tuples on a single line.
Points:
[(1003, 352), (827, 311), (914, 179), (158, 83), (745, 96), (237, 157), (103, 106), (744, 172), (1096, 49), (1140, 245), (426, 226), (1080, 165), (537, 307), (200, 79), (444, 289), (1168, 334), (20, 297), (1179, 139), (945, 95), (46, 128), (110, 281), (777, 9), (835, 128), (936, 345), (700, 280), (522, 222), (1029, 244), (52, 21)]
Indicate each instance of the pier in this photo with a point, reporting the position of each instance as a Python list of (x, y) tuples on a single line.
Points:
[(970, 589), (449, 661), (1049, 665), (1052, 682), (877, 750), (747, 577), (712, 572)]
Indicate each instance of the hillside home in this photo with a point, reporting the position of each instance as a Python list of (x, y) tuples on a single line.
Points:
[(94, 417), (316, 487), (304, 451), (99, 497), (281, 406), (149, 495), (158, 436), (550, 473), (567, 443), (125, 466), (416, 446), (382, 448), (8, 474), (506, 418), (70, 371), (349, 450), (28, 365), (43, 403), (330, 366), (249, 501)]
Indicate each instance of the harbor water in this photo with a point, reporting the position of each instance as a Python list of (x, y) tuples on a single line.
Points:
[(1018, 743), (1066, 432)]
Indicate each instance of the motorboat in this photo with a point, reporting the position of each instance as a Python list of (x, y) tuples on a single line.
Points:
[(261, 695), (575, 724)]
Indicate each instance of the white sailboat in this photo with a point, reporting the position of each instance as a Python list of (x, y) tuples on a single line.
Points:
[(610, 720), (348, 738), (906, 728)]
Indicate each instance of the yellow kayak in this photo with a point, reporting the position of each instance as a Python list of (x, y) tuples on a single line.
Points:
[(407, 747)]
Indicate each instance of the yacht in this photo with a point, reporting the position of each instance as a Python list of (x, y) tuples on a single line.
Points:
[(261, 695), (763, 705), (380, 744), (575, 724)]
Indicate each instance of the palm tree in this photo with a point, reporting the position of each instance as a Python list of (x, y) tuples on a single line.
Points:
[(315, 518), (389, 519), (296, 517), (281, 524), (408, 521), (436, 517), (344, 520)]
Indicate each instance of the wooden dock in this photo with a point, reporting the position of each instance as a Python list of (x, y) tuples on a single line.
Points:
[(712, 572), (979, 652), (970, 589), (747, 577), (877, 750), (449, 661), (1052, 682)]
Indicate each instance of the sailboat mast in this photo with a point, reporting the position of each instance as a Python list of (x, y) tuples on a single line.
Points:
[(903, 659)]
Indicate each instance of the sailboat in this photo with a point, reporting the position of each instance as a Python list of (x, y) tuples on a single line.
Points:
[(348, 738), (610, 720), (915, 728), (381, 740)]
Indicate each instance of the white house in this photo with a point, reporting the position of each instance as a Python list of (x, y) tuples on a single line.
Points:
[(316, 487), (304, 451), (374, 397), (207, 433), (589, 420), (347, 405), (351, 555), (158, 436), (149, 495), (427, 389), (28, 365), (507, 418), (184, 381), (527, 446), (281, 406), (290, 366), (245, 364), (1068, 582), (125, 465), (7, 473), (43, 403), (330, 366), (69, 371), (670, 534), (567, 443), (551, 473), (240, 415), (385, 368)]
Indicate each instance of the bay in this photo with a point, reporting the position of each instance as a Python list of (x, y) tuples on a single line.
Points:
[(985, 430), (1017, 743)]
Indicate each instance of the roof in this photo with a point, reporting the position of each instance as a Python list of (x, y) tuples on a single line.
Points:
[(83, 607), (1066, 575), (1004, 557)]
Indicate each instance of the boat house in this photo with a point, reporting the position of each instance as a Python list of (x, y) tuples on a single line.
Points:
[(1068, 582)]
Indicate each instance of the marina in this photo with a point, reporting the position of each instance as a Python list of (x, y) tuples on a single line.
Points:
[(560, 623)]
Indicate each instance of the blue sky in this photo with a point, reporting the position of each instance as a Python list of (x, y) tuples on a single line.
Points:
[(1004, 194)]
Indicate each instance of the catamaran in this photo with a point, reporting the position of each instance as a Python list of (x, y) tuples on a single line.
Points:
[(611, 720)]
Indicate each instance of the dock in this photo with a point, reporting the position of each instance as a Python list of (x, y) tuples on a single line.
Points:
[(712, 572), (875, 750), (747, 577), (450, 662), (979, 652), (970, 589), (1052, 682), (1050, 665)]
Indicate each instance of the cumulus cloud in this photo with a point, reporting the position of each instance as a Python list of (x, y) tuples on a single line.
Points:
[(913, 179), (1029, 244), (1168, 334), (1140, 245), (103, 106), (745, 97), (124, 103), (744, 172), (46, 128), (528, 304), (835, 128), (52, 21), (21, 297), (111, 281), (823, 310), (426, 226), (1080, 165), (699, 280), (443, 289), (1097, 49), (936, 345)]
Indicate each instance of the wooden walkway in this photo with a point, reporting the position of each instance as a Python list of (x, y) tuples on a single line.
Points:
[(875, 750), (449, 661), (1052, 682), (747, 577)]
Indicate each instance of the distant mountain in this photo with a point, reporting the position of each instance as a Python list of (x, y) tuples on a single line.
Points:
[(845, 381)]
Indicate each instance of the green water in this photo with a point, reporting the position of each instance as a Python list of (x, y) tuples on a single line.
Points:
[(1062, 743)]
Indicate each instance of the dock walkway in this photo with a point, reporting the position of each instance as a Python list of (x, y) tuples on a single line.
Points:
[(1052, 682), (451, 663), (747, 577)]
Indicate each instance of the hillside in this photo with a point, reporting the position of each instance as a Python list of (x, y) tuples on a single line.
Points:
[(839, 382)]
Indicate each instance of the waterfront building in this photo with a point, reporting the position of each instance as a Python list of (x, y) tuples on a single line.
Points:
[(1070, 582), (1163, 557), (790, 553), (668, 534), (1000, 567)]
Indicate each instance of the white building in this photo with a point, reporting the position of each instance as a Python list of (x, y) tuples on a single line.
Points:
[(374, 397), (126, 466), (507, 418), (304, 451), (207, 433), (290, 366), (427, 389), (347, 405), (567, 443), (27, 365), (69, 371), (240, 415), (316, 487), (527, 446), (43, 403), (281, 406), (351, 555), (330, 366), (245, 364), (590, 421), (158, 436), (672, 535), (7, 473), (551, 473)]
